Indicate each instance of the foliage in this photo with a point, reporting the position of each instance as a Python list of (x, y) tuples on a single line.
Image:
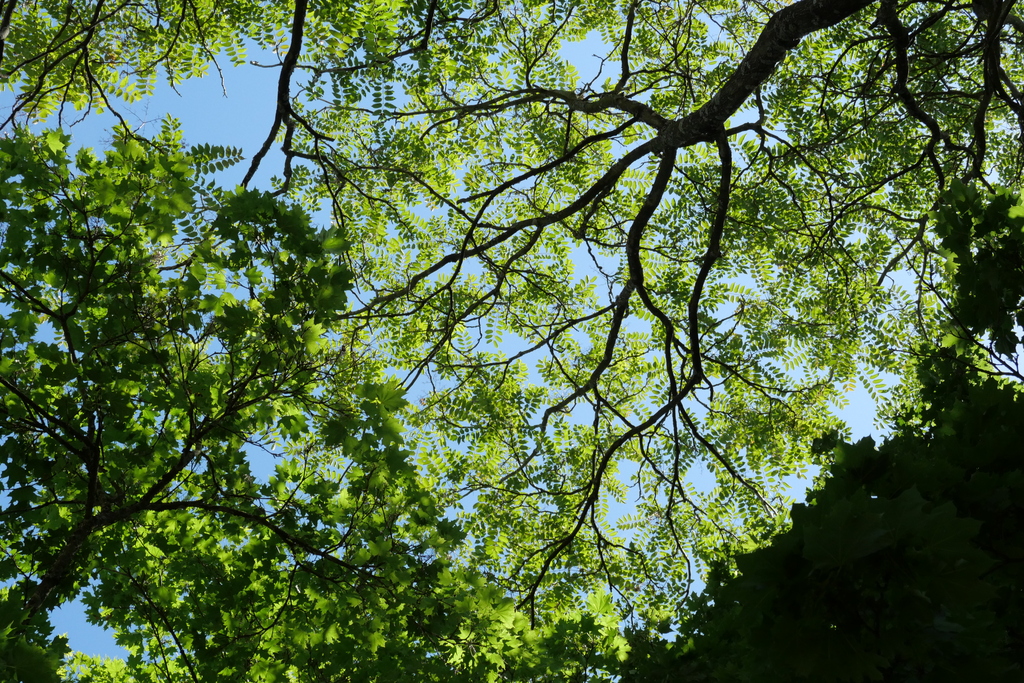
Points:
[(983, 236), (156, 340), (629, 254), (160, 340), (606, 282), (92, 55), (906, 564), (903, 566)]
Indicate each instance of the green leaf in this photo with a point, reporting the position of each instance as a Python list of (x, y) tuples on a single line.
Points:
[(56, 140)]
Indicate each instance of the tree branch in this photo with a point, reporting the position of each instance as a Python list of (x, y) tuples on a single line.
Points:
[(784, 31), (284, 106)]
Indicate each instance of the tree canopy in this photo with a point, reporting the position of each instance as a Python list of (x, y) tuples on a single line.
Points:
[(905, 563), (586, 255)]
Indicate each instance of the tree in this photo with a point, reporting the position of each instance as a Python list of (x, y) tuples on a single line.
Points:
[(596, 284), (150, 341), (905, 564), (160, 337)]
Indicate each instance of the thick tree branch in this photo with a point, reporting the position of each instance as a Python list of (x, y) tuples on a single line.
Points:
[(784, 31), (62, 562), (5, 25), (284, 104), (711, 255)]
